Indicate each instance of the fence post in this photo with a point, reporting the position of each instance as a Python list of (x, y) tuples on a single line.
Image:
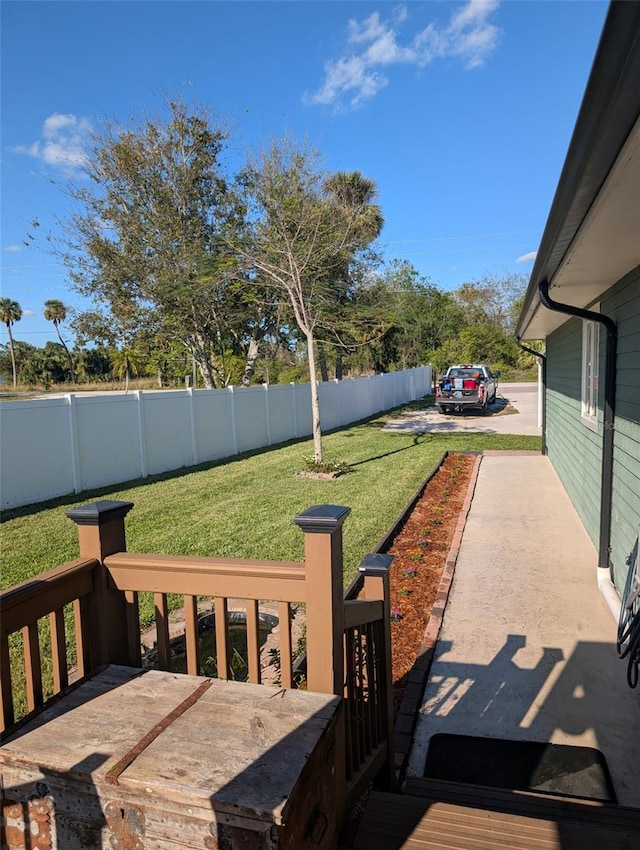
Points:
[(101, 533), (322, 527), (375, 571), (74, 443), (294, 409), (142, 447)]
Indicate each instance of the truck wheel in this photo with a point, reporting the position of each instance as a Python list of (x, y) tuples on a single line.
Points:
[(442, 408)]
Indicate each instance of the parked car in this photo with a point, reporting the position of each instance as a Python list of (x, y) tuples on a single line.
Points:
[(466, 386)]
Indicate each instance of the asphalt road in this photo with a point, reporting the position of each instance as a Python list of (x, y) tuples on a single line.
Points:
[(514, 412)]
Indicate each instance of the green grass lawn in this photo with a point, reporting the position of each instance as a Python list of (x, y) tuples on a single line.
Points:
[(244, 506)]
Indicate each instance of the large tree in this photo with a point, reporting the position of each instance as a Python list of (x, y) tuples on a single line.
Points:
[(355, 194), (10, 313), (56, 312), (297, 238), (146, 227)]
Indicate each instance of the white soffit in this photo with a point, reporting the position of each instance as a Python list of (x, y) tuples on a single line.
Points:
[(607, 245)]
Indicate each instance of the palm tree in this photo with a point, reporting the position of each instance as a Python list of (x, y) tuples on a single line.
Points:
[(127, 362), (56, 312), (355, 193), (10, 312)]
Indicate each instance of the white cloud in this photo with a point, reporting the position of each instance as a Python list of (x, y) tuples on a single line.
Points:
[(374, 44), (12, 249), (62, 144), (527, 258)]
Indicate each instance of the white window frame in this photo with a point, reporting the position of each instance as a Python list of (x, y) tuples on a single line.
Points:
[(590, 371)]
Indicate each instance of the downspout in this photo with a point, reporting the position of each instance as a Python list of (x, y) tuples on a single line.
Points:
[(606, 482), (543, 357)]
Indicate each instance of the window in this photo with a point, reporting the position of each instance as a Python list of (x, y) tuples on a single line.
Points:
[(590, 365)]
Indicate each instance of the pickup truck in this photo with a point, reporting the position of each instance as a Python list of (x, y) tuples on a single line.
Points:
[(466, 386)]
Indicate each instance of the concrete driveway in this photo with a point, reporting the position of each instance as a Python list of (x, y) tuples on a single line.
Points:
[(514, 412)]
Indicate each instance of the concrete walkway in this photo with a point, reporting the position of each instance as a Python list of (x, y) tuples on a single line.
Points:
[(527, 646)]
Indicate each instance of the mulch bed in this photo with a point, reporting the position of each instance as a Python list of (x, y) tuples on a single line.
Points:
[(420, 551)]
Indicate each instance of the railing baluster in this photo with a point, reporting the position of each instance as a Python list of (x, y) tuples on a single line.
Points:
[(6, 692), (369, 693), (253, 641), (377, 684), (191, 634), (162, 630), (32, 665), (58, 650), (286, 654), (350, 713), (222, 636), (133, 628)]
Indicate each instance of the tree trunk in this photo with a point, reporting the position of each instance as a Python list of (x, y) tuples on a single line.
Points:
[(322, 363), (250, 362), (64, 345), (338, 363), (198, 351), (13, 357), (315, 400)]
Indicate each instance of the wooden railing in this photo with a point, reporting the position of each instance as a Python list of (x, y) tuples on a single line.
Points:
[(22, 608), (347, 643)]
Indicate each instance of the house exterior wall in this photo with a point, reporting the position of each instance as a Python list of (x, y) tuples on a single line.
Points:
[(576, 450), (622, 303)]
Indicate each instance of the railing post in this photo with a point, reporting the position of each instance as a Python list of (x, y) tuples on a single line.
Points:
[(375, 571), (322, 527), (101, 533)]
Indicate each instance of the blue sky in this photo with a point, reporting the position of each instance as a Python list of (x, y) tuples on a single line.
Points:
[(461, 112)]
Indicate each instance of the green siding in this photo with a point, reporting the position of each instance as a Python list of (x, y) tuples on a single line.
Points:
[(622, 303), (574, 449)]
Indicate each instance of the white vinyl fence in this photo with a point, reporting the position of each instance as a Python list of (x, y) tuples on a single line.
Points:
[(66, 444)]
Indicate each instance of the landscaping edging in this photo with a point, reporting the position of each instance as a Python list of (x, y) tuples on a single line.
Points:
[(412, 698)]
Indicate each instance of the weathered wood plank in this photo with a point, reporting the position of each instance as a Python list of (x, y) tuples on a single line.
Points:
[(243, 755)]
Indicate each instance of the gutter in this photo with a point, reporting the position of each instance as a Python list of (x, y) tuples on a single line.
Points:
[(606, 486), (543, 357)]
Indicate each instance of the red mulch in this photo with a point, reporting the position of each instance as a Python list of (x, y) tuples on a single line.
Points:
[(420, 551)]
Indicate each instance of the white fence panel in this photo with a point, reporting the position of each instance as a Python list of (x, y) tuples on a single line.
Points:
[(35, 451), (251, 418), (55, 446), (363, 401), (107, 439), (214, 428), (304, 420), (166, 428), (281, 413)]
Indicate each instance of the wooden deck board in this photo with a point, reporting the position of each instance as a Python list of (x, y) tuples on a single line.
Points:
[(402, 822)]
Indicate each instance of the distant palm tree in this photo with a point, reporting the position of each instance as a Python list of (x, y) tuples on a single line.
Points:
[(10, 312), (355, 193), (56, 312), (126, 363)]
